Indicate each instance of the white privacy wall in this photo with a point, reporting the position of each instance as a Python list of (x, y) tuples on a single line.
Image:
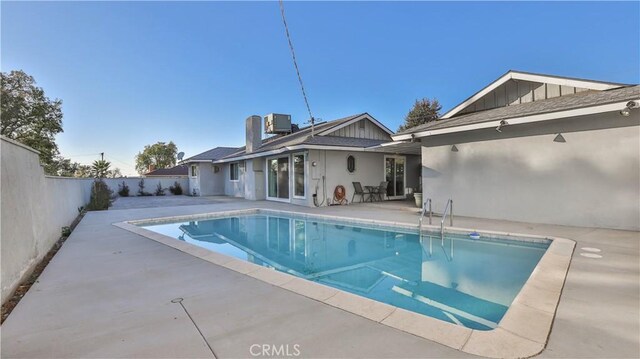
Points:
[(592, 180), (34, 208)]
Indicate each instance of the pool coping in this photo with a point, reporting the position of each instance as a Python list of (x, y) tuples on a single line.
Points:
[(522, 332)]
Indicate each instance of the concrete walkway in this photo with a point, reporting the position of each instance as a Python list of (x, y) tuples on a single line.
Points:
[(167, 201), (109, 292)]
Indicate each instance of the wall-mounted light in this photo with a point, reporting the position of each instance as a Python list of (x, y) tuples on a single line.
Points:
[(502, 123), (314, 163), (559, 138), (626, 111), (454, 148)]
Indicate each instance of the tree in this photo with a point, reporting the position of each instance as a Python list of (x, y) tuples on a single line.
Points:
[(30, 117), (158, 155), (83, 171), (100, 168), (423, 111), (114, 173), (63, 167)]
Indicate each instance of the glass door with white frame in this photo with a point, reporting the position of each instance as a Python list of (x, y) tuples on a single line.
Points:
[(394, 174), (278, 178)]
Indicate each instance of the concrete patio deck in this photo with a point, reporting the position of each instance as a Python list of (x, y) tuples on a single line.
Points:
[(108, 293)]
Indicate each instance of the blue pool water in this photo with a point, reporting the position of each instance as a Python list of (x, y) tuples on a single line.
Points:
[(463, 281)]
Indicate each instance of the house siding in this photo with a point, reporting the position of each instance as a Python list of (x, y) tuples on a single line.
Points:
[(515, 92), (592, 180), (369, 171), (234, 188), (362, 129)]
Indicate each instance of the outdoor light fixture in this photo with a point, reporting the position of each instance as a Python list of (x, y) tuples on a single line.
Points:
[(626, 111), (502, 123), (413, 137), (314, 163), (559, 138), (454, 148)]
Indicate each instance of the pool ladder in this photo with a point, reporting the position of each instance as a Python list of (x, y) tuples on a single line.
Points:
[(447, 209), (424, 209)]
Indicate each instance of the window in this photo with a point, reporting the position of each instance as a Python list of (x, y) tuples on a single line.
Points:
[(194, 171), (351, 164), (298, 175), (234, 171)]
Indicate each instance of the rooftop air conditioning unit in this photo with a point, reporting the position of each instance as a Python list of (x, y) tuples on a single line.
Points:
[(275, 123)]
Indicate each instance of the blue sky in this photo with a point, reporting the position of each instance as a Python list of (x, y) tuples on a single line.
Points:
[(133, 73)]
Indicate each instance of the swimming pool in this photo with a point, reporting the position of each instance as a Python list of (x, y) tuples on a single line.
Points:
[(463, 281)]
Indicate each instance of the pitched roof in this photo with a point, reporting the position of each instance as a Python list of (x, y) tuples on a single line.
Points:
[(533, 77), (303, 137), (212, 154), (179, 170), (578, 100)]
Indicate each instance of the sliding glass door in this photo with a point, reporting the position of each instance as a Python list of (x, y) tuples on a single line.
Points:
[(278, 178), (394, 173)]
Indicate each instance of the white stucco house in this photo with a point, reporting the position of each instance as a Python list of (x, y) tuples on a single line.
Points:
[(527, 147), (304, 168), (537, 148)]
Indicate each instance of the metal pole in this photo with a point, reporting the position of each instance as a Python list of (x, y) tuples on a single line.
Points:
[(430, 212), (451, 214)]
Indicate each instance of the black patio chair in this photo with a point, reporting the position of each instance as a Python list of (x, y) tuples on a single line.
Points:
[(358, 191), (381, 190)]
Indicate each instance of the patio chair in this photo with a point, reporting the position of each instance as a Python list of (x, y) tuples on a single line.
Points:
[(358, 191), (381, 190)]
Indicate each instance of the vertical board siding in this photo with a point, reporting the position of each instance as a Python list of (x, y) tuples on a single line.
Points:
[(515, 92), (370, 131)]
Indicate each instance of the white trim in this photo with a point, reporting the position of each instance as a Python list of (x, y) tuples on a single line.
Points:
[(304, 175), (194, 161), (293, 148), (231, 171), (266, 179), (404, 174), (584, 111), (523, 76), (354, 120)]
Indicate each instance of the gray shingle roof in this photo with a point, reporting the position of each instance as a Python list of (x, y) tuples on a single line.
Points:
[(303, 136), (213, 154), (179, 170), (579, 100)]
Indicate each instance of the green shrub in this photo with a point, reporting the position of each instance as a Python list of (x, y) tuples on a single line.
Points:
[(141, 191), (101, 196), (123, 189), (176, 189), (66, 231), (159, 189)]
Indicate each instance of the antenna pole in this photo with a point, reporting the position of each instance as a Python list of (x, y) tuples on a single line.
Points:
[(295, 64)]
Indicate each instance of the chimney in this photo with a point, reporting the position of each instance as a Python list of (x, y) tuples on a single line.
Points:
[(152, 167), (254, 133)]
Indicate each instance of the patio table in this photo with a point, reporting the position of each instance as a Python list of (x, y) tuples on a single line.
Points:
[(371, 191)]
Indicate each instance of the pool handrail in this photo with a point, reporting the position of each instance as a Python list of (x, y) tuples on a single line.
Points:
[(447, 209), (424, 208)]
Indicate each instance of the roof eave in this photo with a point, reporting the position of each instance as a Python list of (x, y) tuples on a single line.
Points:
[(289, 149), (540, 117)]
